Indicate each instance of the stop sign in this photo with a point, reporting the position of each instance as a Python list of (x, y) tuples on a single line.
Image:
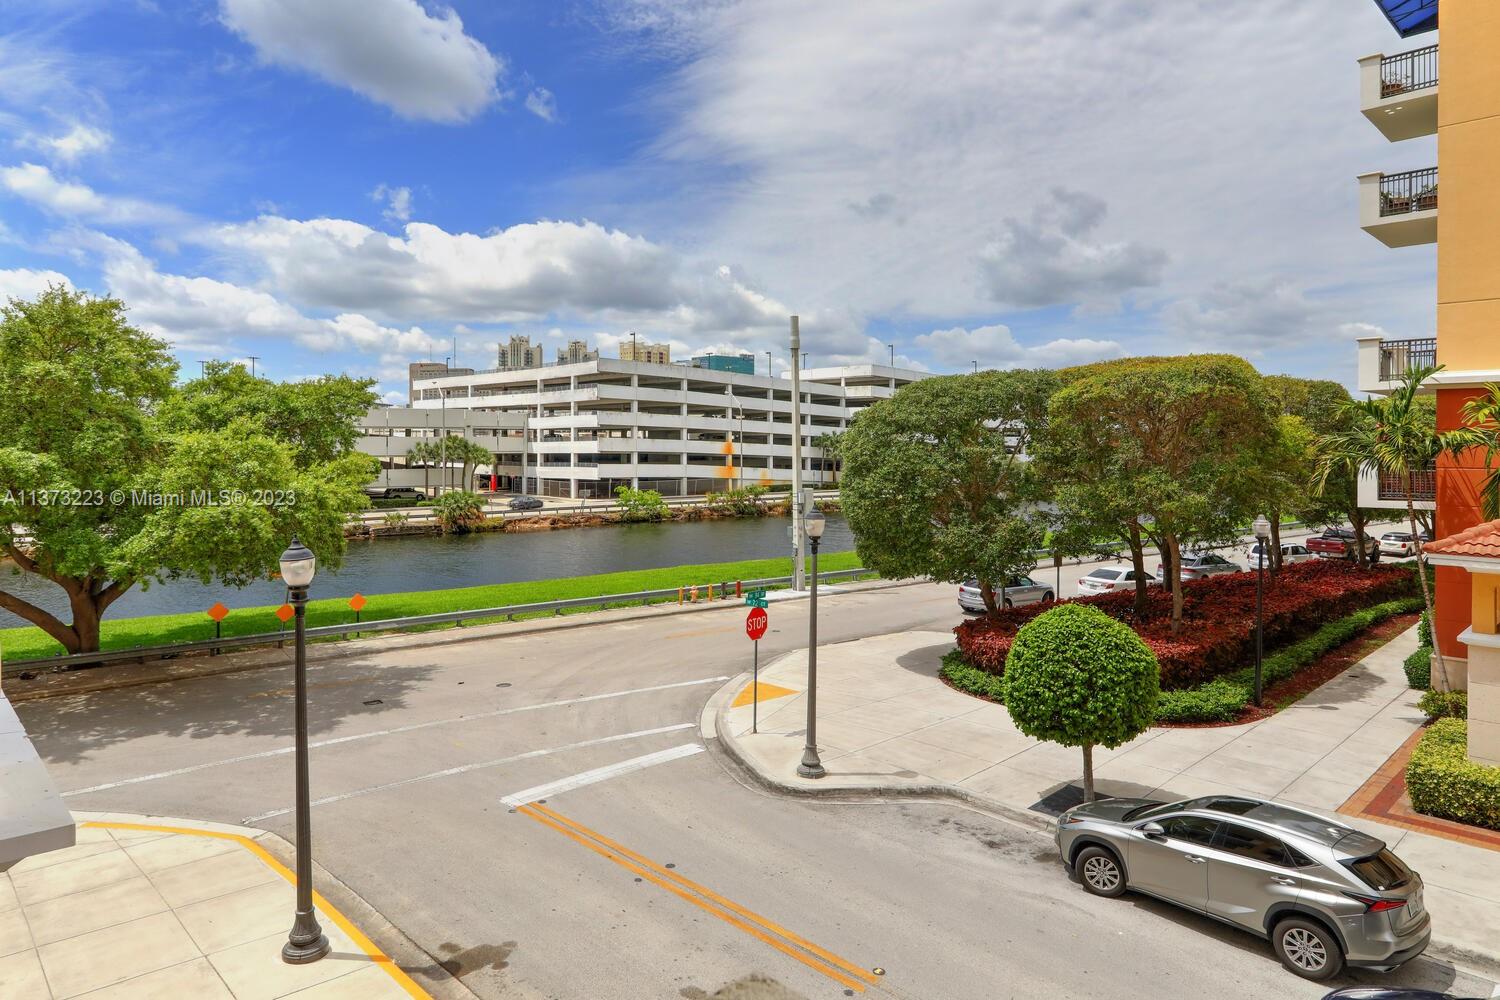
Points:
[(756, 623)]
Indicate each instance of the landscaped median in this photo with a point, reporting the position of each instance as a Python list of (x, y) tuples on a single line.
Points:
[(1310, 609), (124, 633), (1442, 781)]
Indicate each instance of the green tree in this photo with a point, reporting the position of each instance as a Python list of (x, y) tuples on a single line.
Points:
[(641, 505), (423, 453), (936, 482), (97, 497), (1078, 677), (1481, 431), (459, 511), (1166, 447), (318, 417), (829, 447), (468, 454), (1397, 435)]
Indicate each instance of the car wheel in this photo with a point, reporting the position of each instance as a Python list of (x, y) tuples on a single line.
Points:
[(1375, 556), (1307, 949), (1100, 872), (1008, 605), (1048, 597)]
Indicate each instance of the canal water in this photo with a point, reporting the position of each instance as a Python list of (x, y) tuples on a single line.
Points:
[(430, 562)]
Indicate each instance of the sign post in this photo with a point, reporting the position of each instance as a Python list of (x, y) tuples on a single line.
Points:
[(217, 613), (756, 623)]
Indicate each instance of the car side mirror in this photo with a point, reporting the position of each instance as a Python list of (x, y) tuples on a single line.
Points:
[(1154, 831)]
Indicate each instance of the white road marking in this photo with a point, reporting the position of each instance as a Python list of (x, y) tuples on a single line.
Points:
[(599, 774), (413, 727), (449, 772)]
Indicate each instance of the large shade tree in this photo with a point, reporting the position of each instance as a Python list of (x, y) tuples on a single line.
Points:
[(98, 496), (937, 482)]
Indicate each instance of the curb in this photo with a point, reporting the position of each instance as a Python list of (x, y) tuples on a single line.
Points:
[(69, 683), (715, 731)]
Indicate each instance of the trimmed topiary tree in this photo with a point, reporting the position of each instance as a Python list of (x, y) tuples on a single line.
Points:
[(1077, 677)]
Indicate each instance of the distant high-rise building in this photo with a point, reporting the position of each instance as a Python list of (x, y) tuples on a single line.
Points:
[(576, 352), (520, 353), (656, 354)]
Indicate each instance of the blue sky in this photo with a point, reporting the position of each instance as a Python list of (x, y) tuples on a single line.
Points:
[(350, 185)]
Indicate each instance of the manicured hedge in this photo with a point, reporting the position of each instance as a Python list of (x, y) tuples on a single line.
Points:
[(1445, 704), (972, 680), (1443, 782), (1222, 699), (1218, 631), (1418, 668)]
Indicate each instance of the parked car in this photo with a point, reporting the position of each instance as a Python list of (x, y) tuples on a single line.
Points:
[(1109, 578), (394, 493), (1324, 894), (1402, 543), (1197, 565), (1021, 590), (1339, 543), (525, 503), (1378, 993), (1291, 552)]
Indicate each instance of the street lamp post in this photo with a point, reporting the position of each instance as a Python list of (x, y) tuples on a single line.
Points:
[(306, 942), (811, 766), (1262, 529)]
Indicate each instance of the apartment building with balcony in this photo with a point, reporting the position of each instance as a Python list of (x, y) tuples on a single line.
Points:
[(581, 430), (1402, 95)]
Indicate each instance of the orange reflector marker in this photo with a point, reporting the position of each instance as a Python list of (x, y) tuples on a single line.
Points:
[(285, 613), (218, 611)]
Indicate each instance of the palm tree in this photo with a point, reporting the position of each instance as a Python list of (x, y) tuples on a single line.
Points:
[(1481, 417), (424, 452), (469, 454), (1395, 435), (828, 446)]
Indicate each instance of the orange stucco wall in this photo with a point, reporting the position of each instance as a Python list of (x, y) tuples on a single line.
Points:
[(1468, 280)]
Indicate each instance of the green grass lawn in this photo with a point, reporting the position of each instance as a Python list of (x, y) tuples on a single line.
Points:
[(29, 643)]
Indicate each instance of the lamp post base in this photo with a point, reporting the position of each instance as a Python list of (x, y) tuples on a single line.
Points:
[(811, 766), (306, 943)]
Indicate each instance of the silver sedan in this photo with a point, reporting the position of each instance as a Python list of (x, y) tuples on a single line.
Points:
[(1021, 590)]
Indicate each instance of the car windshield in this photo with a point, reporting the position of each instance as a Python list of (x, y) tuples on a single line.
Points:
[(1382, 871), (1105, 574), (1153, 809)]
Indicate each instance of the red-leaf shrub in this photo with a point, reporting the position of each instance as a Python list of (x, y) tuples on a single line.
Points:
[(1218, 616)]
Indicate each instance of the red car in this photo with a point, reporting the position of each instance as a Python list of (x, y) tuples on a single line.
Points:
[(1338, 543)]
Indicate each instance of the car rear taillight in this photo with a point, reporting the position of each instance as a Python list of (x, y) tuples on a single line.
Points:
[(1374, 904)]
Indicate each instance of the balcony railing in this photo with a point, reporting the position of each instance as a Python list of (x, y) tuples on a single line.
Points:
[(1397, 357), (1410, 191), (1392, 486), (1414, 70)]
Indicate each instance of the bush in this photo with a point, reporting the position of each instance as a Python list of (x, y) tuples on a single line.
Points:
[(1424, 630), (739, 501), (1445, 704), (1443, 782), (972, 680), (641, 505), (459, 512), (1418, 667), (1218, 633), (1076, 676), (1222, 699)]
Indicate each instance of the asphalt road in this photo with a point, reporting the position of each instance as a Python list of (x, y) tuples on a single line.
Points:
[(649, 868)]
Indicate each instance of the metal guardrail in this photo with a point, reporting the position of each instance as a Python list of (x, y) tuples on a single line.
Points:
[(1397, 357), (1409, 191), (493, 508), (1408, 71), (457, 618)]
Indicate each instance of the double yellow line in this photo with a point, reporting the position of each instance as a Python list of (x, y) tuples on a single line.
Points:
[(838, 969)]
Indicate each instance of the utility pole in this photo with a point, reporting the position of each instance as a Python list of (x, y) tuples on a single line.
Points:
[(769, 372), (253, 359), (797, 546), (893, 354)]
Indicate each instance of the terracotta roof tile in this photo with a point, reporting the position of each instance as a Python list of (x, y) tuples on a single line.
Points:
[(1482, 540)]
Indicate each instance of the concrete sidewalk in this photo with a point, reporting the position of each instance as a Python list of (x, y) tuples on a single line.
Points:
[(888, 726), (144, 908)]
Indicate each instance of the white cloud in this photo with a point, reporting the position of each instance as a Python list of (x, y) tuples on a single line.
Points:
[(1050, 258), (25, 283), (541, 102), (71, 145), (417, 61), (37, 184), (397, 202), (995, 346), (1251, 315), (528, 272)]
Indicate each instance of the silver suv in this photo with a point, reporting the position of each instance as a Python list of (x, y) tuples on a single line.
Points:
[(1325, 894)]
